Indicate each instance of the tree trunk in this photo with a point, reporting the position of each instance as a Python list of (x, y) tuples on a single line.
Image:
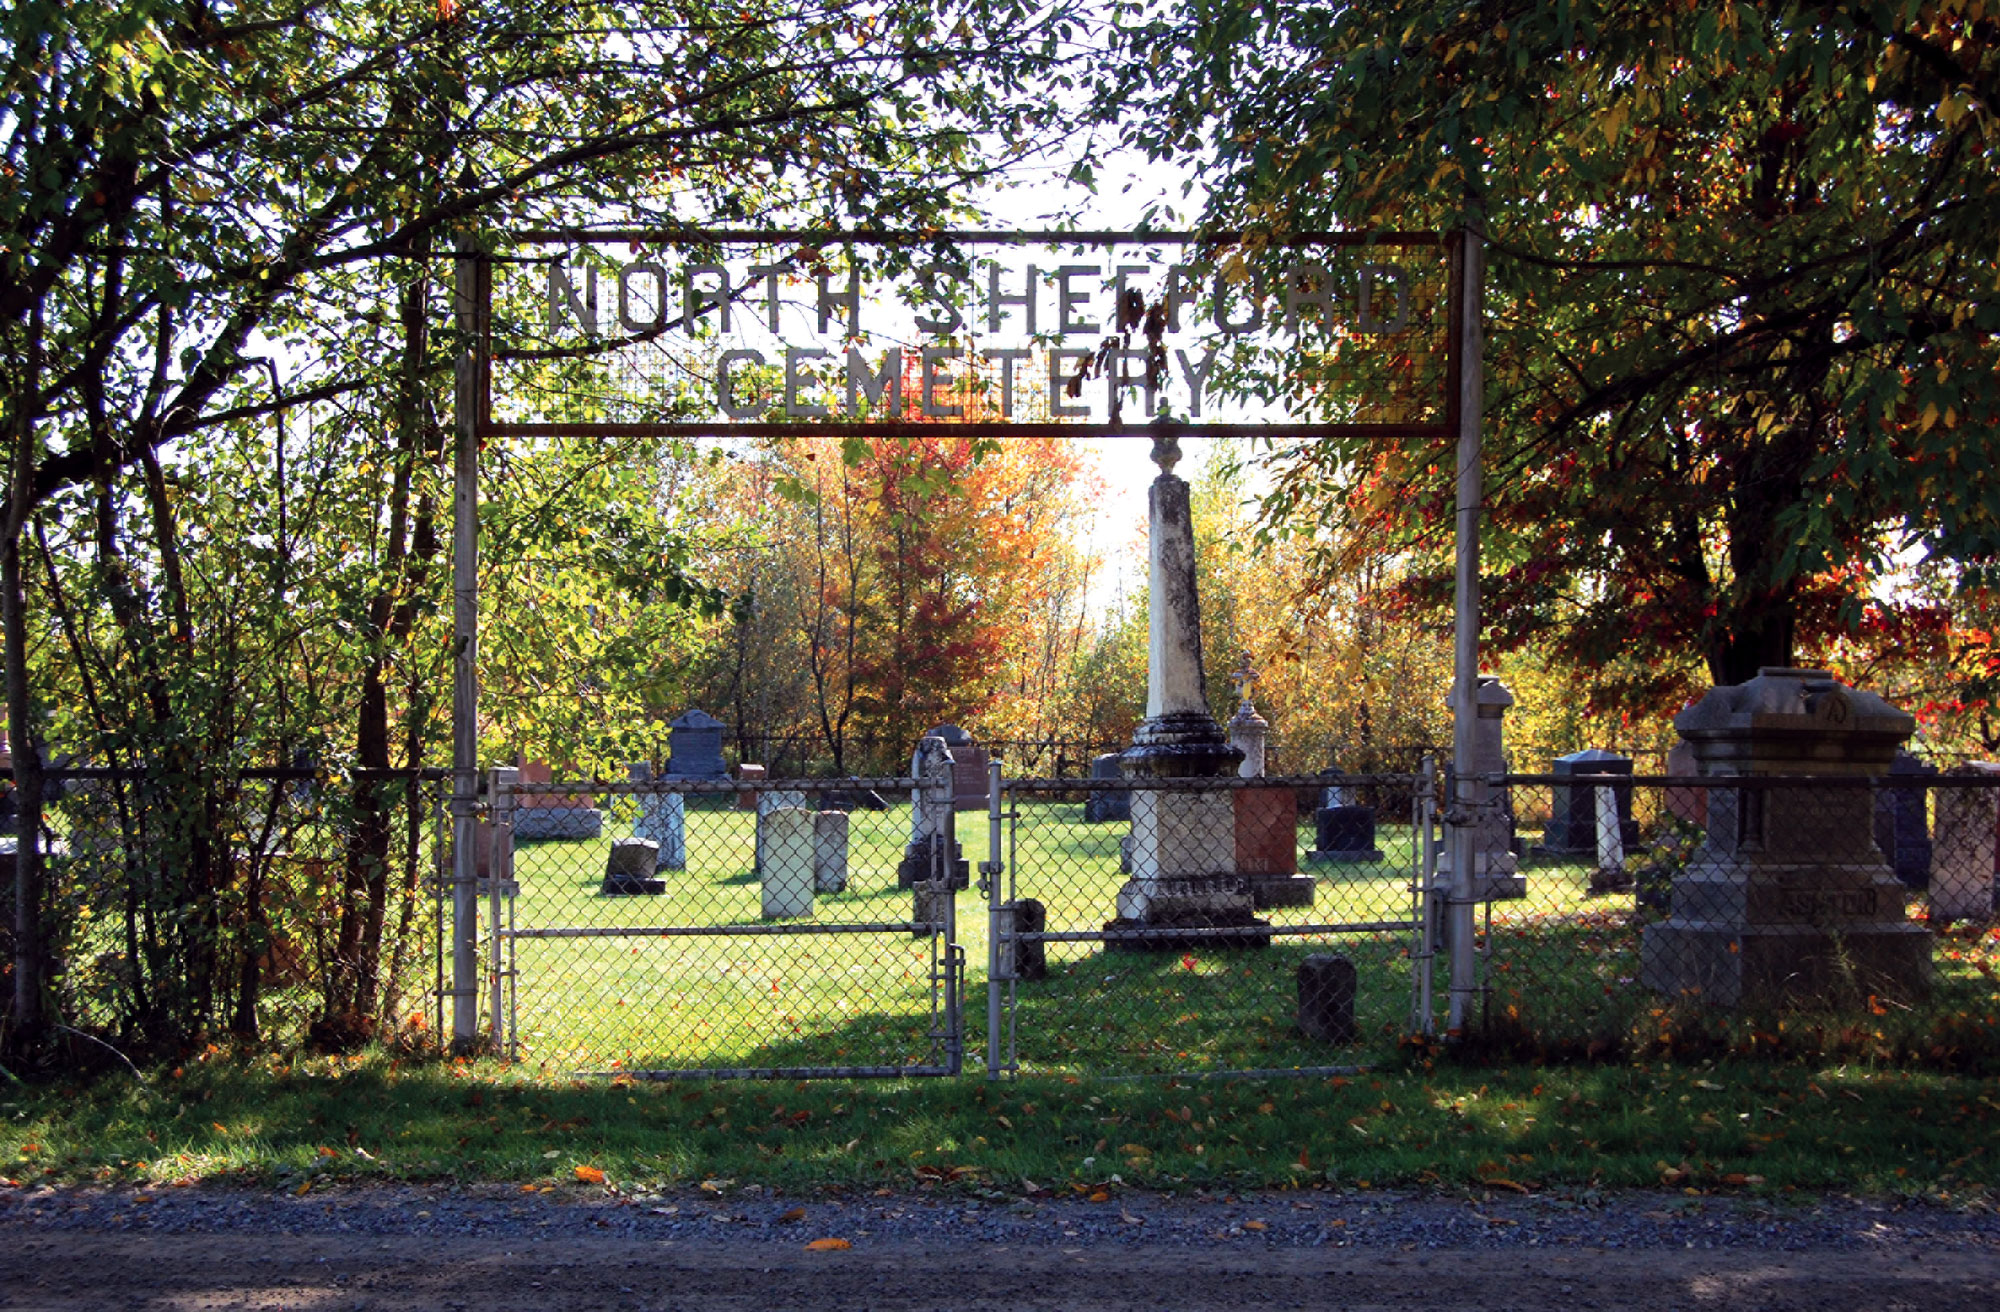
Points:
[(1758, 638), (30, 1003)]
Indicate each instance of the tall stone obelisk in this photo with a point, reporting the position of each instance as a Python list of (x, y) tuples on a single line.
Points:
[(1184, 839)]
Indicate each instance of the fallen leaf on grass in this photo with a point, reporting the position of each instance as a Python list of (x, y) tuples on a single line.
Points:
[(589, 1175), (936, 1173), (828, 1245), (1502, 1182), (1100, 1196)]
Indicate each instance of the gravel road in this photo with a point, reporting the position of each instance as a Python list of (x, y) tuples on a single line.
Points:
[(397, 1247)]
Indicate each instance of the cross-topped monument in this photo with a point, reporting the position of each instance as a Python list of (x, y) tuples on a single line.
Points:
[(1243, 677)]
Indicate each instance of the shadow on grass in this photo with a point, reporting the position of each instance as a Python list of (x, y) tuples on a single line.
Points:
[(1107, 1013)]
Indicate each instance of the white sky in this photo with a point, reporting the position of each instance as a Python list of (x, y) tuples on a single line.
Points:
[(1128, 184)]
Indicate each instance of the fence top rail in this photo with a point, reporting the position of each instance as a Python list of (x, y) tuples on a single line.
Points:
[(257, 773), (1209, 784), (1945, 779), (670, 784)]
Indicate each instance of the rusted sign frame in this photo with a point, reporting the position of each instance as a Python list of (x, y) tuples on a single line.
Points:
[(1450, 382)]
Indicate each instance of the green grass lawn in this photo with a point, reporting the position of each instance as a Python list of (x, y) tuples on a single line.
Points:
[(647, 1002), (1759, 1127)]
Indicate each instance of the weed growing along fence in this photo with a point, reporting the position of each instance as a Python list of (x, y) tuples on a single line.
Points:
[(262, 905), (1681, 917)]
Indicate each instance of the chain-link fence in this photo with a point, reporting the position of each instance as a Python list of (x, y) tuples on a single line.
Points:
[(685, 927), (1831, 915), (278, 905), (829, 926), (1165, 926)]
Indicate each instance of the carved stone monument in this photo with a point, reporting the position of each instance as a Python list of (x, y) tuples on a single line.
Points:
[(788, 862), (933, 845), (629, 867), (1267, 819), (662, 820), (694, 746), (1788, 898), (1573, 820), (770, 800), (1609, 875), (1496, 869), (1343, 830), (1248, 731), (968, 767), (1327, 987), (1902, 822), (552, 815), (1684, 801), (1183, 840), (1107, 805), (1961, 877), (830, 851)]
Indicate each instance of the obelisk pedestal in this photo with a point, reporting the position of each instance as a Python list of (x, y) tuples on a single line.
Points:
[(1184, 873)]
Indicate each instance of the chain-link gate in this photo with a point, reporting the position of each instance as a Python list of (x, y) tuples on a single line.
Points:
[(1112, 949), (680, 928)]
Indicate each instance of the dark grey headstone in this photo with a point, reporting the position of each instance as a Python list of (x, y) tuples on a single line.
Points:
[(548, 822), (1107, 805), (1327, 985), (1902, 823), (852, 799), (1031, 959), (628, 868), (920, 862), (1344, 833), (1573, 807), (694, 746)]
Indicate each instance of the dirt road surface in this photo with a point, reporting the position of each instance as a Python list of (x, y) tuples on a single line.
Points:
[(399, 1248)]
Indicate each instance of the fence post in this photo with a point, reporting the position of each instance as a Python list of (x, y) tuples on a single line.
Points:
[(499, 881), (999, 918), (1423, 824)]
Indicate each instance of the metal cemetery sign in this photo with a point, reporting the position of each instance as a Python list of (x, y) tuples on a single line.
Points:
[(757, 333)]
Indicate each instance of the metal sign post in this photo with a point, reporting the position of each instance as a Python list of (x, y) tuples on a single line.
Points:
[(1465, 631), (467, 402)]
